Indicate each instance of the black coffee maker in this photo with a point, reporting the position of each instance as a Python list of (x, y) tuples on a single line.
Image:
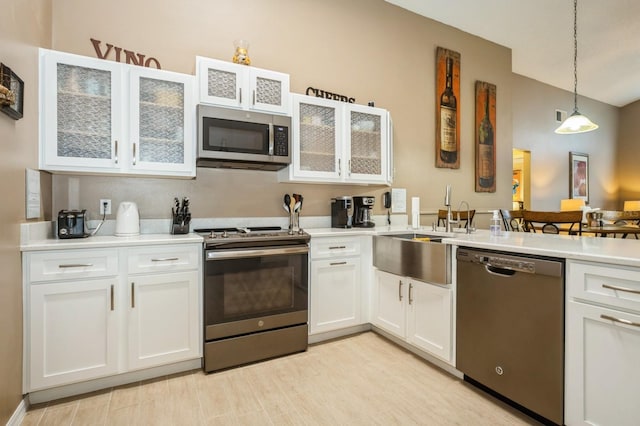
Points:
[(341, 212), (71, 224), (362, 211)]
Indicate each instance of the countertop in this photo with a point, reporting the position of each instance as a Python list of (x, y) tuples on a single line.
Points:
[(109, 241), (616, 251)]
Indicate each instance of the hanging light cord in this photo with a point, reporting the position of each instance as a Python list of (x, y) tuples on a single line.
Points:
[(575, 55)]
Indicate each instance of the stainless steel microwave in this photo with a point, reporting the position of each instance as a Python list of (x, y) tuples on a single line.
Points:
[(241, 139)]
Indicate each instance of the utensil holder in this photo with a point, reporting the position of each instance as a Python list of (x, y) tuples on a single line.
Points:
[(294, 222)]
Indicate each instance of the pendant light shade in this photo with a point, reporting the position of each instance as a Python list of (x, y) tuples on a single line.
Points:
[(576, 122)]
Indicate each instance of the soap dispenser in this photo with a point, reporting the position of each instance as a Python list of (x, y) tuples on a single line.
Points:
[(494, 227)]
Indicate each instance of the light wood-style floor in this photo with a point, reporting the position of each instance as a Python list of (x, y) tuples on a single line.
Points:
[(359, 380)]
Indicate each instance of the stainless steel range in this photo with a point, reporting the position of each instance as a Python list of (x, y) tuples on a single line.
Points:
[(255, 294)]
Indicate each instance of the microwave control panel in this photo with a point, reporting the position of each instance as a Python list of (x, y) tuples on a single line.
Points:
[(281, 141)]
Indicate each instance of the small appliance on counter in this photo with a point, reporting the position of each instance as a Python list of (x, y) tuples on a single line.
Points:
[(180, 216), (127, 220), (71, 224), (342, 212), (362, 215)]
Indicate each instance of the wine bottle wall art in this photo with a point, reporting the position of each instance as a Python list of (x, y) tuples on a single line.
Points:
[(485, 125), (447, 108)]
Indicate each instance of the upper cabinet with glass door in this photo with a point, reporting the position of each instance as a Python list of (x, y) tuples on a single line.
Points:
[(241, 86), (105, 117), (337, 142)]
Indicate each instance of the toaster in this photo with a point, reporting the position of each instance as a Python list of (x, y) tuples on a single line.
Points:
[(71, 224)]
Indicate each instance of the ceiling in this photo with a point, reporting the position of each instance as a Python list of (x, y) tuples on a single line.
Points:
[(540, 35)]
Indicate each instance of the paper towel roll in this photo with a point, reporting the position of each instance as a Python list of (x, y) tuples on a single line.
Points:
[(415, 212)]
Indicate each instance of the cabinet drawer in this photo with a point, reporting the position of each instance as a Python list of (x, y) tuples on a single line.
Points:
[(164, 258), (334, 247), (616, 286), (72, 264)]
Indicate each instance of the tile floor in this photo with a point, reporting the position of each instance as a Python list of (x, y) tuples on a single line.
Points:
[(359, 380)]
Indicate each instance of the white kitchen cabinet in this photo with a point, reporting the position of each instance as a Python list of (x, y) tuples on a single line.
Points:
[(240, 86), (337, 292), (338, 142), (73, 334), (163, 318), (602, 344), (99, 116), (415, 311), (98, 312)]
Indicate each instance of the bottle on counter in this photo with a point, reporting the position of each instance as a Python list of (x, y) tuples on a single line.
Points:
[(448, 117), (494, 226)]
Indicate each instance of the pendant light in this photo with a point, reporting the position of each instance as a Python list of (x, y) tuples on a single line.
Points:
[(576, 122)]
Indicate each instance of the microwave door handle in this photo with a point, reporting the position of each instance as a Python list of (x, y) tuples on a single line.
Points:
[(270, 138)]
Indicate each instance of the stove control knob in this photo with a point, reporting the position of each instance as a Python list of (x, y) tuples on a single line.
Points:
[(212, 235), (260, 323), (224, 234)]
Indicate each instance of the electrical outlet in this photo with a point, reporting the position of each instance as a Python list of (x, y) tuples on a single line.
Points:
[(105, 206)]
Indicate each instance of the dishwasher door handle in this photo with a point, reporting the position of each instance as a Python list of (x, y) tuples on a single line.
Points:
[(499, 271)]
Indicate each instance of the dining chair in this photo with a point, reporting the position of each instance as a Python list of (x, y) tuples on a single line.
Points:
[(569, 204), (512, 220), (553, 222), (631, 206), (442, 217)]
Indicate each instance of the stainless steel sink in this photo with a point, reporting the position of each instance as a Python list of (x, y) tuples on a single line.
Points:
[(415, 255)]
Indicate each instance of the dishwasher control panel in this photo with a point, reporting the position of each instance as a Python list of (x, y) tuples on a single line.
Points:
[(519, 265), (508, 262)]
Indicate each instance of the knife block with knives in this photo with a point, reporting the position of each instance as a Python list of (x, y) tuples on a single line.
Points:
[(180, 216)]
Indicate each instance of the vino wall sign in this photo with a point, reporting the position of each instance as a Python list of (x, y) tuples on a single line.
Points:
[(129, 56), (485, 137), (447, 108)]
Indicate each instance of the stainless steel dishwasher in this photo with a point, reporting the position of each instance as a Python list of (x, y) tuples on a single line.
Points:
[(510, 328)]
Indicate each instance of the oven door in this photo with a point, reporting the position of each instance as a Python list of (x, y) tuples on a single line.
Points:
[(252, 290)]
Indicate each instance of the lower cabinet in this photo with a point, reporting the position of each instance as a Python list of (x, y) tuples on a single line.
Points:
[(415, 311), (116, 321), (602, 378)]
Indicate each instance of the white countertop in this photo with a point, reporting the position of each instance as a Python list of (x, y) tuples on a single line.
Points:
[(109, 241), (593, 249)]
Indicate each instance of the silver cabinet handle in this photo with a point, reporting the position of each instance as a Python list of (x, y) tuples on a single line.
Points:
[(620, 320), (337, 263), (75, 265), (339, 167), (400, 290), (410, 288), (254, 98), (116, 152), (337, 247), (349, 169), (134, 154), (164, 259), (112, 307), (133, 295), (240, 94), (613, 287)]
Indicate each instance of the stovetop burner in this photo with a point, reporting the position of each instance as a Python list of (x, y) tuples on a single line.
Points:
[(254, 235)]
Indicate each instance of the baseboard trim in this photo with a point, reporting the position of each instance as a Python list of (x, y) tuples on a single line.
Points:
[(18, 415), (335, 334), (45, 395)]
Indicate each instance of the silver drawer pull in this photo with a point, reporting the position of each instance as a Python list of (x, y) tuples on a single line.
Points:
[(620, 320), (613, 287), (165, 259), (337, 263), (75, 265), (337, 247)]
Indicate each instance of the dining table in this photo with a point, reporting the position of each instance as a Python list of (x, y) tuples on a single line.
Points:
[(611, 229)]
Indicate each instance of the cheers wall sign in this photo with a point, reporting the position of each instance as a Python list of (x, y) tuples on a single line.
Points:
[(119, 54)]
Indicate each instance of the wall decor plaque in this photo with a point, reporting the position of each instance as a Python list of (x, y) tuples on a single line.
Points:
[(447, 108), (485, 140)]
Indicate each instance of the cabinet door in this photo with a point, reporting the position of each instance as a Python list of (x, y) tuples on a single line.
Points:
[(388, 311), (221, 82), (72, 332), (429, 318), (602, 374), (161, 122), (80, 113), (269, 91), (317, 152), (366, 147), (335, 294), (163, 319)]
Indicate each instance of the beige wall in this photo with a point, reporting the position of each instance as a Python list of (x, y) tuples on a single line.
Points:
[(25, 25), (628, 151), (367, 49), (534, 105)]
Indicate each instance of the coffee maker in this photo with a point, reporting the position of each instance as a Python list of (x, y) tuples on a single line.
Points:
[(362, 214), (341, 212)]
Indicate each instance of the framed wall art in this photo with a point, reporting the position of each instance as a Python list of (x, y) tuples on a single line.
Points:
[(13, 101), (447, 108), (579, 176), (485, 141)]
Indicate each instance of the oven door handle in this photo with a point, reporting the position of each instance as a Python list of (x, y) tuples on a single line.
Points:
[(235, 254)]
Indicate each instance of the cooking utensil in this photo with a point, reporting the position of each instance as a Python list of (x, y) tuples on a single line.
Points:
[(286, 208), (292, 203), (296, 207), (287, 201)]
